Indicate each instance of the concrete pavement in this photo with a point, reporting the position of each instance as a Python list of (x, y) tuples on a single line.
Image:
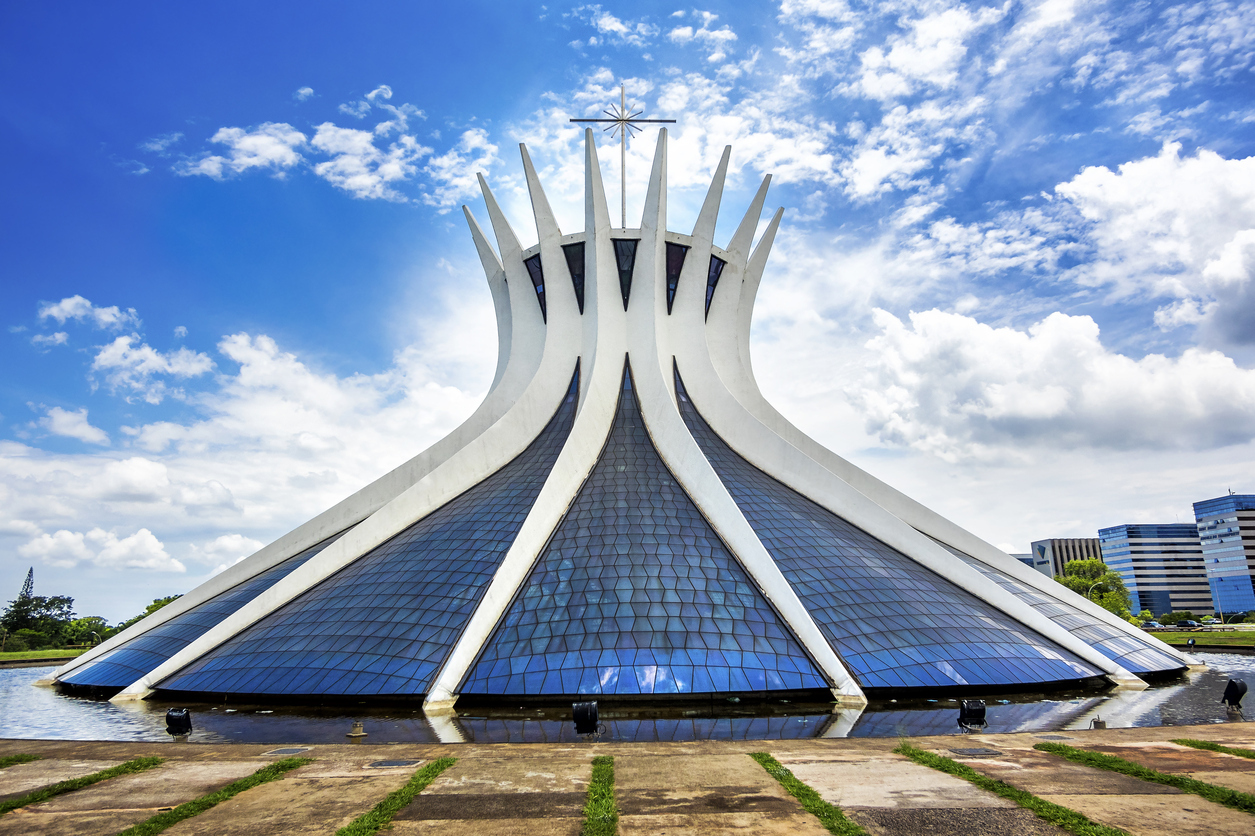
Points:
[(700, 787)]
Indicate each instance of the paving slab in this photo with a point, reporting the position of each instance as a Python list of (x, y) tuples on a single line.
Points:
[(768, 824), (1159, 815), (495, 827), (22, 778), (295, 804), (1231, 771), (703, 794), (499, 793), (953, 821), (1041, 773), (118, 803), (856, 780)]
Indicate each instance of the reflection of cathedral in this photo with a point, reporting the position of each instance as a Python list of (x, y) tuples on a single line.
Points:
[(625, 515)]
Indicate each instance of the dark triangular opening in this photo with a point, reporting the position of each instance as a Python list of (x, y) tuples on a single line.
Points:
[(625, 260)]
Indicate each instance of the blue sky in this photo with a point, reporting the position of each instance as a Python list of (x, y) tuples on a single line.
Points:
[(1014, 279)]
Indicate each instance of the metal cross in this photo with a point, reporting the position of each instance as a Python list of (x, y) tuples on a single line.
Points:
[(623, 122)]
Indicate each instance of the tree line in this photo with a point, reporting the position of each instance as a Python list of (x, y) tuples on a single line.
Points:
[(35, 622), (1096, 581)]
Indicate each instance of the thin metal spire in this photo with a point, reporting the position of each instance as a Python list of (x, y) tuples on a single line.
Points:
[(623, 122)]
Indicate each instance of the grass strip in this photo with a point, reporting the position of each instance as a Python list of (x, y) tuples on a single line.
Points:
[(829, 816), (1061, 817), (601, 815), (381, 814), (37, 655), (10, 760), (1216, 747), (161, 821), (1221, 795), (137, 765)]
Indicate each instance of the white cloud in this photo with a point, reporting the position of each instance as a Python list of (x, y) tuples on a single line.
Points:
[(64, 548), (271, 145), (303, 93), (49, 340), (132, 365), (615, 30), (359, 167), (81, 310), (957, 388), (452, 173), (161, 144), (230, 549), (927, 55), (180, 331), (358, 109), (73, 425), (715, 41)]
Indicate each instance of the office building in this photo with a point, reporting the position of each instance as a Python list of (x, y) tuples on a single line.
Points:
[(1162, 567), (1226, 530)]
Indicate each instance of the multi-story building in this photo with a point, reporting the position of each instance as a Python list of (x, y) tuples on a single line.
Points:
[(1041, 564), (1226, 530), (1061, 551), (1162, 566)]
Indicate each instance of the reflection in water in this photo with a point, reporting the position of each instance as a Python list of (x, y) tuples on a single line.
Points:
[(27, 711)]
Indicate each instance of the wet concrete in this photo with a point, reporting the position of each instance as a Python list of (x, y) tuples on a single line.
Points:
[(696, 787)]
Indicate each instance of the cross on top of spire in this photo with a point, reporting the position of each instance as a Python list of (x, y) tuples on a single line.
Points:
[(623, 123)]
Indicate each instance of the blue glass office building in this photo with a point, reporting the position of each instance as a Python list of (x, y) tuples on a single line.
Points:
[(625, 517), (1226, 531)]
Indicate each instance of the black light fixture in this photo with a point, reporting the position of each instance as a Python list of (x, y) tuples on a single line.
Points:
[(972, 715), (1233, 693), (585, 715), (178, 722), (1189, 642)]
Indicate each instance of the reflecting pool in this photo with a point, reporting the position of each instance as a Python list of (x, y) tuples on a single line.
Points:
[(29, 711)]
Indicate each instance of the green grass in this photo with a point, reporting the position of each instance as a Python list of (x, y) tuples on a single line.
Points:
[(36, 655), (601, 816), (1216, 747), (370, 822), (9, 760), (1243, 639), (137, 765), (1221, 795), (1061, 817), (829, 816), (161, 821)]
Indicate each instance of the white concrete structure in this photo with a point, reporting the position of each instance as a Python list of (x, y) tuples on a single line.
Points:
[(625, 514)]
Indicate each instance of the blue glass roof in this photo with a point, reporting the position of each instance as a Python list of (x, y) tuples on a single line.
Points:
[(635, 594), (128, 662), (385, 623), (1133, 654), (893, 622)]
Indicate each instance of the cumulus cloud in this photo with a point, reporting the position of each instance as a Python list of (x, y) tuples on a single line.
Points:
[(303, 93), (1173, 226), (452, 173), (64, 548), (230, 549), (715, 41), (362, 169), (272, 145), (162, 144), (49, 340), (73, 425), (133, 366), (955, 387), (613, 30), (78, 309)]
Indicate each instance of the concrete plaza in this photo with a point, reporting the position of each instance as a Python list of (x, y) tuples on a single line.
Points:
[(700, 787)]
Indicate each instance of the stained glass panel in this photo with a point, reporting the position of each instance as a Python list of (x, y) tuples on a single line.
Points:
[(386, 622), (635, 594), (894, 623)]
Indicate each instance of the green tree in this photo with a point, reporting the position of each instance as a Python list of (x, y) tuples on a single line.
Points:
[(1092, 579), (46, 617), (91, 629), (152, 608), (1175, 617), (1145, 615)]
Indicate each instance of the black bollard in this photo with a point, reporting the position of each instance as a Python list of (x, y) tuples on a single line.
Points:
[(1233, 693), (585, 715), (178, 722), (972, 714)]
